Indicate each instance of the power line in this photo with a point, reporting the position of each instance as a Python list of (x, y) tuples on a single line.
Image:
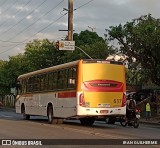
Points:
[(8, 41), (47, 26), (19, 43), (9, 7), (36, 20), (23, 42), (40, 18), (24, 17), (35, 33), (83, 5), (17, 12)]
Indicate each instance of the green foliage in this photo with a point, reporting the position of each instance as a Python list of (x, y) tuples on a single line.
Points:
[(86, 38), (3, 80), (140, 40), (90, 43), (42, 53), (9, 71)]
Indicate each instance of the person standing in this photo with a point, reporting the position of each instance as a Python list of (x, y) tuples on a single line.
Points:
[(148, 110)]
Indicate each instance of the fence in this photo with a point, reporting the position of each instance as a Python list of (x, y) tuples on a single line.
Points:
[(8, 100)]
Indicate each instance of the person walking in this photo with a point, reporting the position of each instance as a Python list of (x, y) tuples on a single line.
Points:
[(148, 110)]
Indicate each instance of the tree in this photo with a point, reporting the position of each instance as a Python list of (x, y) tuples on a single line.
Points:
[(42, 54), (94, 45), (10, 70), (4, 87), (140, 41)]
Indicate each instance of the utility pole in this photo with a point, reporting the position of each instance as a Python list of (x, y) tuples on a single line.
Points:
[(70, 20)]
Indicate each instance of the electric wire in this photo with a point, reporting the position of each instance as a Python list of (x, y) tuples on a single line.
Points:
[(16, 12), (24, 17), (9, 7), (40, 18), (35, 33), (36, 20), (83, 5), (23, 42)]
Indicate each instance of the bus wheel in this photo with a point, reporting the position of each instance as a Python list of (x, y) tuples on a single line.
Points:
[(50, 114), (25, 117), (87, 121), (111, 120)]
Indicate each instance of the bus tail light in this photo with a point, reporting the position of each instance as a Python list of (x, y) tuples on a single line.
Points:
[(81, 100), (124, 100)]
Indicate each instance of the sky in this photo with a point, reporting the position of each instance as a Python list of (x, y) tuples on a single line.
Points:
[(22, 21)]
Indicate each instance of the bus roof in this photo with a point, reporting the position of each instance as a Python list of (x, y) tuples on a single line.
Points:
[(49, 69), (69, 64)]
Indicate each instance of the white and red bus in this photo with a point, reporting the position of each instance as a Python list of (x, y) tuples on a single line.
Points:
[(83, 89)]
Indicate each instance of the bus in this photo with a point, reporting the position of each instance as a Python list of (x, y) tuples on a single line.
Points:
[(82, 89)]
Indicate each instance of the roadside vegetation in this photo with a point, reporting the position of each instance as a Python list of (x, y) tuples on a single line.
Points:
[(139, 40)]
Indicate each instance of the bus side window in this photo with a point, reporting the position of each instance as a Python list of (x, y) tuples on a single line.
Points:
[(18, 87), (72, 74), (50, 81), (37, 83), (64, 78), (24, 85), (30, 84), (55, 80), (60, 80), (42, 82)]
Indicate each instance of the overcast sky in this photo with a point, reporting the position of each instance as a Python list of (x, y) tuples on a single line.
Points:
[(22, 21)]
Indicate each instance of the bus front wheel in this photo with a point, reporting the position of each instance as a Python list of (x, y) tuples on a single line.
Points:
[(25, 117)]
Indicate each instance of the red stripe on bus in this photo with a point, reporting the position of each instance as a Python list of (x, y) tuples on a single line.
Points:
[(103, 86), (66, 94)]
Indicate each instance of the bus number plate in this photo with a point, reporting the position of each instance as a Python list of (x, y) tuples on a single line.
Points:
[(103, 111)]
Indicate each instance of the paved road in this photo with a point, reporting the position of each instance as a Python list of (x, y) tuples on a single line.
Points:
[(13, 127)]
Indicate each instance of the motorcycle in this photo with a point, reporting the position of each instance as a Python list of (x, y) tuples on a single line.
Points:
[(133, 121)]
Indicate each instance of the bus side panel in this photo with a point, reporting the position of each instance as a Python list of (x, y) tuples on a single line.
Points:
[(66, 105), (44, 100), (19, 101), (35, 104)]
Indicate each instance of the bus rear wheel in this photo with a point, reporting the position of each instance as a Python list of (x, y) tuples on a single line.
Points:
[(111, 120), (50, 114), (25, 117), (87, 121)]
